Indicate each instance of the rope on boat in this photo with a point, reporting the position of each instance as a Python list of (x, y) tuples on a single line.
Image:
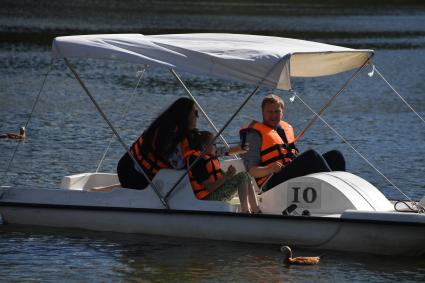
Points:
[(352, 147), (374, 69), (406, 204), (28, 120), (142, 72), (186, 89), (329, 102)]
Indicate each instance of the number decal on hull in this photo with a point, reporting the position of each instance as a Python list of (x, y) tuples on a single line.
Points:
[(306, 195)]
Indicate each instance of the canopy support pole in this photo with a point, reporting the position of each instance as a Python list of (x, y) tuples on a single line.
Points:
[(142, 72), (355, 150), (138, 167), (396, 92), (327, 104), (213, 140), (257, 88), (198, 105), (28, 120)]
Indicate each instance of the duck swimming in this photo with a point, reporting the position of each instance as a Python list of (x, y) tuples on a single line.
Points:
[(14, 136), (301, 260)]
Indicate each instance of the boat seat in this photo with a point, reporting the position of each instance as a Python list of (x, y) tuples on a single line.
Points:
[(85, 181), (181, 198)]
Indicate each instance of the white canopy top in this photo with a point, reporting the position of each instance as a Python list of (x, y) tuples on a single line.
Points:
[(252, 59)]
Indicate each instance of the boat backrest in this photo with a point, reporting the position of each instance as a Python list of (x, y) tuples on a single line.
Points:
[(182, 196), (86, 181)]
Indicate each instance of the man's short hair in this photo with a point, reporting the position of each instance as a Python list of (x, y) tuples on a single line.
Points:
[(272, 98)]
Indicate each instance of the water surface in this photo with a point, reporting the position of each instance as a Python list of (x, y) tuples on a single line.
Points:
[(67, 136)]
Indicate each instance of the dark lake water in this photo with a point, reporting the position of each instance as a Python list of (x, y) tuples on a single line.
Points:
[(67, 136)]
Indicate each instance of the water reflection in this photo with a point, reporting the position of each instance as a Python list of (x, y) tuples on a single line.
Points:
[(82, 255)]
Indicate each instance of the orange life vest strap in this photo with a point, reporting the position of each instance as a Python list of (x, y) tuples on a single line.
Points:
[(213, 169), (150, 163), (276, 144)]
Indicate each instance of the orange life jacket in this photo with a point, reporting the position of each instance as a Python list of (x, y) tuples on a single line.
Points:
[(150, 163), (212, 165), (276, 144)]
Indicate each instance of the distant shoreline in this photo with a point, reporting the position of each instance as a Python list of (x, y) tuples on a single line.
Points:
[(43, 35), (38, 22), (245, 7)]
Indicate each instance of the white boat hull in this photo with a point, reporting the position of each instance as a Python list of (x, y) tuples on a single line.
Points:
[(324, 233), (350, 215)]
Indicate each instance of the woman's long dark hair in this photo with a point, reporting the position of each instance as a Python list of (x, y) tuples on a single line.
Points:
[(168, 129)]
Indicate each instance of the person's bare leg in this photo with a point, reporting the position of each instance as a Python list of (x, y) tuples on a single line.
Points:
[(243, 198), (252, 198), (104, 189)]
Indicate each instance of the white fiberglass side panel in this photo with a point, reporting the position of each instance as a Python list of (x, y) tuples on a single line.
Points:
[(324, 193)]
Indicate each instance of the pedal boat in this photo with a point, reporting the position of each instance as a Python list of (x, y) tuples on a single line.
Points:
[(326, 211)]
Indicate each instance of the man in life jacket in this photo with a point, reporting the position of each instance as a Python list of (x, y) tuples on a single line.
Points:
[(273, 157)]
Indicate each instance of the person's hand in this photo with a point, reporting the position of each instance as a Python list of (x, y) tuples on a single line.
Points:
[(239, 149), (276, 167), (245, 147), (231, 171)]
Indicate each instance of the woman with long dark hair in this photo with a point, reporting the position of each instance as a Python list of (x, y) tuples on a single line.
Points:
[(160, 146)]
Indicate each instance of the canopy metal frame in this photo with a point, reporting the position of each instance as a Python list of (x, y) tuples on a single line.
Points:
[(124, 145), (177, 77), (218, 133), (257, 88), (311, 122), (99, 109), (142, 72), (329, 102)]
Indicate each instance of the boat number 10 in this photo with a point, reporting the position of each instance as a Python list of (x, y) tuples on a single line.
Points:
[(307, 194)]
